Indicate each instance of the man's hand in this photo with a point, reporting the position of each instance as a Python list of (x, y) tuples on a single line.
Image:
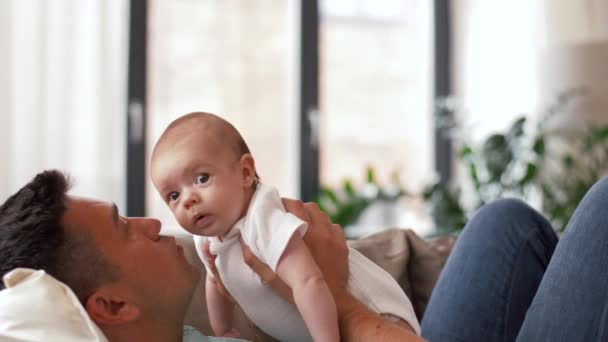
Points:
[(328, 247), (266, 273), (324, 240), (232, 333)]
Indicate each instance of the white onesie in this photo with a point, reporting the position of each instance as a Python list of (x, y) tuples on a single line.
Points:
[(266, 229)]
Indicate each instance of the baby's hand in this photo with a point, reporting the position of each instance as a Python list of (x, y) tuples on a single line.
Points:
[(232, 333), (218, 281)]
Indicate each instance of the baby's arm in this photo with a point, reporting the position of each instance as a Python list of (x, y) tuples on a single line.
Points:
[(298, 269), (220, 309)]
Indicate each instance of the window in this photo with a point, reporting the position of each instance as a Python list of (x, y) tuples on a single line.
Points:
[(232, 58), (376, 91), (497, 63), (241, 60)]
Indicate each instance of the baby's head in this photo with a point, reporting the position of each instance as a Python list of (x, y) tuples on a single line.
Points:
[(203, 170)]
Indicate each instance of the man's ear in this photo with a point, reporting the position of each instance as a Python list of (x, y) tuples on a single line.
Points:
[(248, 169), (106, 308)]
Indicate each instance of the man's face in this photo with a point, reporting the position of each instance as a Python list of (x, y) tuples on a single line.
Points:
[(154, 274)]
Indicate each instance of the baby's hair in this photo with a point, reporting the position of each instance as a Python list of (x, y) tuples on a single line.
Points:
[(237, 143)]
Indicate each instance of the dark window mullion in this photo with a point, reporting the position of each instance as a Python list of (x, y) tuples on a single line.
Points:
[(443, 86), (136, 109), (309, 100)]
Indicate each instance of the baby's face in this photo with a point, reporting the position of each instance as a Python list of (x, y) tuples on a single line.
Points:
[(202, 182)]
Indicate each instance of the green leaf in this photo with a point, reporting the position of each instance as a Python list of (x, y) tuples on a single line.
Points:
[(497, 155), (602, 133), (568, 161), (429, 190), (474, 176), (370, 174), (539, 146), (349, 190), (448, 215), (531, 172), (588, 143), (465, 151), (517, 129), (330, 195)]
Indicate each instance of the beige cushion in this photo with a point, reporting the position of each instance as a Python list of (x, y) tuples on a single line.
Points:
[(414, 262), (36, 307)]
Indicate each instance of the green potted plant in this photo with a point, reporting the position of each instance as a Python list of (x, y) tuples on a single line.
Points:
[(517, 162), (346, 204)]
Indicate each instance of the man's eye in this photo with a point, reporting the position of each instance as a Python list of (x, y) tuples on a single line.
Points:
[(202, 178), (173, 196)]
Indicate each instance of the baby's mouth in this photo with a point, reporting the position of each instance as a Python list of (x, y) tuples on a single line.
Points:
[(202, 220)]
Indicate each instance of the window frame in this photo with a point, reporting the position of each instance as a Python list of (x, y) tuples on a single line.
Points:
[(136, 109), (308, 108)]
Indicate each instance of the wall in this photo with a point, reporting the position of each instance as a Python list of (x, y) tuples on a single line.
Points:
[(573, 53)]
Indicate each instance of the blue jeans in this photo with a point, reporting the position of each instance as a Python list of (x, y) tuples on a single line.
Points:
[(508, 278)]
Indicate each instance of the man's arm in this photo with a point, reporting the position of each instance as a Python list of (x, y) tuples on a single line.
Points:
[(359, 323), (327, 245)]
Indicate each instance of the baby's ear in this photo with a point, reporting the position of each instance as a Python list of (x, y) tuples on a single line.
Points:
[(248, 169)]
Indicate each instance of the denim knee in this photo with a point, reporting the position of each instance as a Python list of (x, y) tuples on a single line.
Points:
[(507, 207), (595, 201), (491, 275), (509, 216)]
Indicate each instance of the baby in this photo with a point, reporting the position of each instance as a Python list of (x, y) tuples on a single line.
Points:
[(205, 173)]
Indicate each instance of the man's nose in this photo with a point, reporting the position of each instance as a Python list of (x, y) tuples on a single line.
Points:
[(150, 227)]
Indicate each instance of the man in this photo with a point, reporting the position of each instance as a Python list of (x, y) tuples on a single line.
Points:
[(118, 266)]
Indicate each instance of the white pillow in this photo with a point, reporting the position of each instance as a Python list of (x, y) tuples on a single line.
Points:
[(36, 307)]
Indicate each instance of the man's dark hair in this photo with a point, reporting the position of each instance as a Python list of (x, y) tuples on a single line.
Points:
[(32, 236)]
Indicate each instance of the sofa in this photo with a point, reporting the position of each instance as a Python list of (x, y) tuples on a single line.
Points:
[(414, 262)]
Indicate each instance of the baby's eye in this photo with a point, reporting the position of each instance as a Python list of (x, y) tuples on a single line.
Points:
[(202, 178), (172, 196)]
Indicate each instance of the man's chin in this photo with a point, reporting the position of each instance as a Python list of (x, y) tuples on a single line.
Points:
[(194, 275), (193, 281)]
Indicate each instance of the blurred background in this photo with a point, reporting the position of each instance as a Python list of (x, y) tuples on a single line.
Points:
[(407, 113)]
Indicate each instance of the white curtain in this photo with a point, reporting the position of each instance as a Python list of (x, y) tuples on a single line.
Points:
[(63, 79)]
